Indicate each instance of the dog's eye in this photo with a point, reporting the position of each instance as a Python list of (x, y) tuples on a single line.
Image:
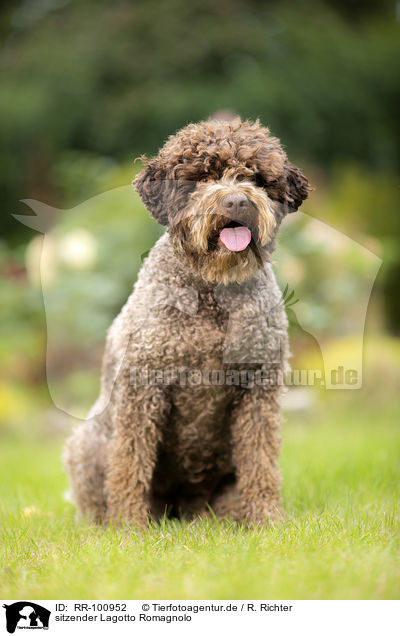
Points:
[(259, 181), (204, 179)]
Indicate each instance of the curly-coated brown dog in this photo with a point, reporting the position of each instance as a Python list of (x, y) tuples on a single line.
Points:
[(188, 416)]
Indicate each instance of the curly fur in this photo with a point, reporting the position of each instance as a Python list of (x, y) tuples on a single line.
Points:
[(177, 447)]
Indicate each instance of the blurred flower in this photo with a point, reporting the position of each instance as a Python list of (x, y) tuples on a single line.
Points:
[(298, 399), (41, 261), (12, 404), (29, 511), (78, 249)]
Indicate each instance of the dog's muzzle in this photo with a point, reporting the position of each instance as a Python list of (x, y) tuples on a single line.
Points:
[(236, 235), (228, 216)]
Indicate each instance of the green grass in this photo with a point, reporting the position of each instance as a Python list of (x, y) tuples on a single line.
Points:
[(340, 540)]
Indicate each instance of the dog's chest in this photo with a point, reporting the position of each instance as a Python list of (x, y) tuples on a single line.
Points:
[(229, 327), (198, 436), (199, 336)]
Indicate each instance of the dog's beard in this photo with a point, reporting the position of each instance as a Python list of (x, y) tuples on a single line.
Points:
[(196, 232)]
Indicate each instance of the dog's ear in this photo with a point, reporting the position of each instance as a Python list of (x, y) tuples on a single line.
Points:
[(297, 187), (151, 186)]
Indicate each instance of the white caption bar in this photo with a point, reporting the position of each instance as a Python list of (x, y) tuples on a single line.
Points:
[(153, 617)]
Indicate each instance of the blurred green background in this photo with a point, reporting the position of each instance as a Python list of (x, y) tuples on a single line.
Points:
[(88, 86)]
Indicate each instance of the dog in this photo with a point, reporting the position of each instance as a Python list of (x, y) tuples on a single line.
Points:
[(188, 420)]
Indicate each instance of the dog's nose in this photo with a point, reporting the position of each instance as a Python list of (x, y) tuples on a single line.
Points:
[(235, 202)]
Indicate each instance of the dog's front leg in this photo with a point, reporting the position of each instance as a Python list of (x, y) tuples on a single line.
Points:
[(139, 416), (256, 445)]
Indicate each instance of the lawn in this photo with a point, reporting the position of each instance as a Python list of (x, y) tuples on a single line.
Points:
[(340, 540)]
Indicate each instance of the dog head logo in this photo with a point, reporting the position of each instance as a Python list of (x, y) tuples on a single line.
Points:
[(26, 615), (222, 189)]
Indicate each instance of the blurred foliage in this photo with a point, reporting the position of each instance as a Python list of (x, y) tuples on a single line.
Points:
[(87, 86), (115, 79), (81, 273), (366, 205), (330, 274), (381, 378)]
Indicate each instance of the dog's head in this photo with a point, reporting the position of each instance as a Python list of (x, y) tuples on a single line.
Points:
[(223, 188)]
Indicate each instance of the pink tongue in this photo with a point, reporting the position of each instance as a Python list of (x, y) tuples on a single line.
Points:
[(235, 239)]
